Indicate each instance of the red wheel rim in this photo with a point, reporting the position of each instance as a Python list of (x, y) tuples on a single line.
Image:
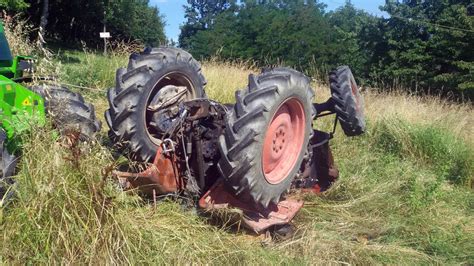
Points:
[(283, 141), (355, 94)]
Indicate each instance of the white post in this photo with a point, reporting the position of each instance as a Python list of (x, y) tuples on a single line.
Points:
[(105, 39)]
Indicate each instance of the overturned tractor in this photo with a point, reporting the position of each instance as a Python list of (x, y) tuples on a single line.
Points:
[(246, 155)]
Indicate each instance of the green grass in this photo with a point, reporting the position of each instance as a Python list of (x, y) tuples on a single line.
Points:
[(67, 212), (404, 195), (91, 70), (449, 157)]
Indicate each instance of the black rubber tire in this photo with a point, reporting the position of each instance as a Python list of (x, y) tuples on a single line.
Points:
[(348, 102), (7, 170), (283, 232), (69, 111), (134, 87), (241, 144)]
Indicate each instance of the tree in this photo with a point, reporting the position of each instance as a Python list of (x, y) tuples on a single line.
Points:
[(291, 31), (430, 45), (13, 5), (354, 30), (73, 21), (136, 20), (201, 15), (43, 20)]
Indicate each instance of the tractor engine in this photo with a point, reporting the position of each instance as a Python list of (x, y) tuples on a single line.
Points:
[(193, 134), (189, 131)]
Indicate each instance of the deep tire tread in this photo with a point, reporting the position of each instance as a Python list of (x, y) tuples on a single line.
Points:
[(239, 163), (8, 164), (132, 85), (352, 121), (260, 93), (68, 109)]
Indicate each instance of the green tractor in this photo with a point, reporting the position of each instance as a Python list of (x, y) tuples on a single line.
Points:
[(22, 106)]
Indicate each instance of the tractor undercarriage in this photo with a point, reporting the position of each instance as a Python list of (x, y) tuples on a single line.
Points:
[(247, 156), (187, 159)]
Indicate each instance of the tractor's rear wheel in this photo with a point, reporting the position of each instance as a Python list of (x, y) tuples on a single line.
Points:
[(150, 78), (7, 170), (69, 114), (267, 135), (68, 111), (348, 102)]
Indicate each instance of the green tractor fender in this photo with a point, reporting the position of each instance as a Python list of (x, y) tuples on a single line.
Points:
[(19, 107)]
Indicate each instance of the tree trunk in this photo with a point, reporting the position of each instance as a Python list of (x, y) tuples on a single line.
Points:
[(43, 21)]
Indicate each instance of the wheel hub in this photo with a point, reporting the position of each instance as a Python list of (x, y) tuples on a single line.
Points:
[(283, 141), (279, 141), (169, 95), (164, 108)]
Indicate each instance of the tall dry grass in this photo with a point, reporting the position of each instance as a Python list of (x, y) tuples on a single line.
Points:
[(225, 77), (426, 110), (457, 118), (68, 210), (18, 34)]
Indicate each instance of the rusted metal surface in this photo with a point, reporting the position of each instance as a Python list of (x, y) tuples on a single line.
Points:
[(165, 176), (322, 172), (161, 177), (198, 108), (188, 160), (255, 218)]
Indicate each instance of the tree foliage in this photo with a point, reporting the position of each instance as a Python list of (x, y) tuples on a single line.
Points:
[(135, 19), (430, 44), (200, 15), (419, 45), (353, 28), (73, 21), (13, 5)]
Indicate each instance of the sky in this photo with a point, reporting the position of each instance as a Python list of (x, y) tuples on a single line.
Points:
[(174, 12)]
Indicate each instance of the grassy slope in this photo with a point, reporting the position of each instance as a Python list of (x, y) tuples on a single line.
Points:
[(404, 194)]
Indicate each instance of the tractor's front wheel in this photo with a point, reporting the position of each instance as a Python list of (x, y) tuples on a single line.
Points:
[(68, 111), (348, 102), (267, 134)]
